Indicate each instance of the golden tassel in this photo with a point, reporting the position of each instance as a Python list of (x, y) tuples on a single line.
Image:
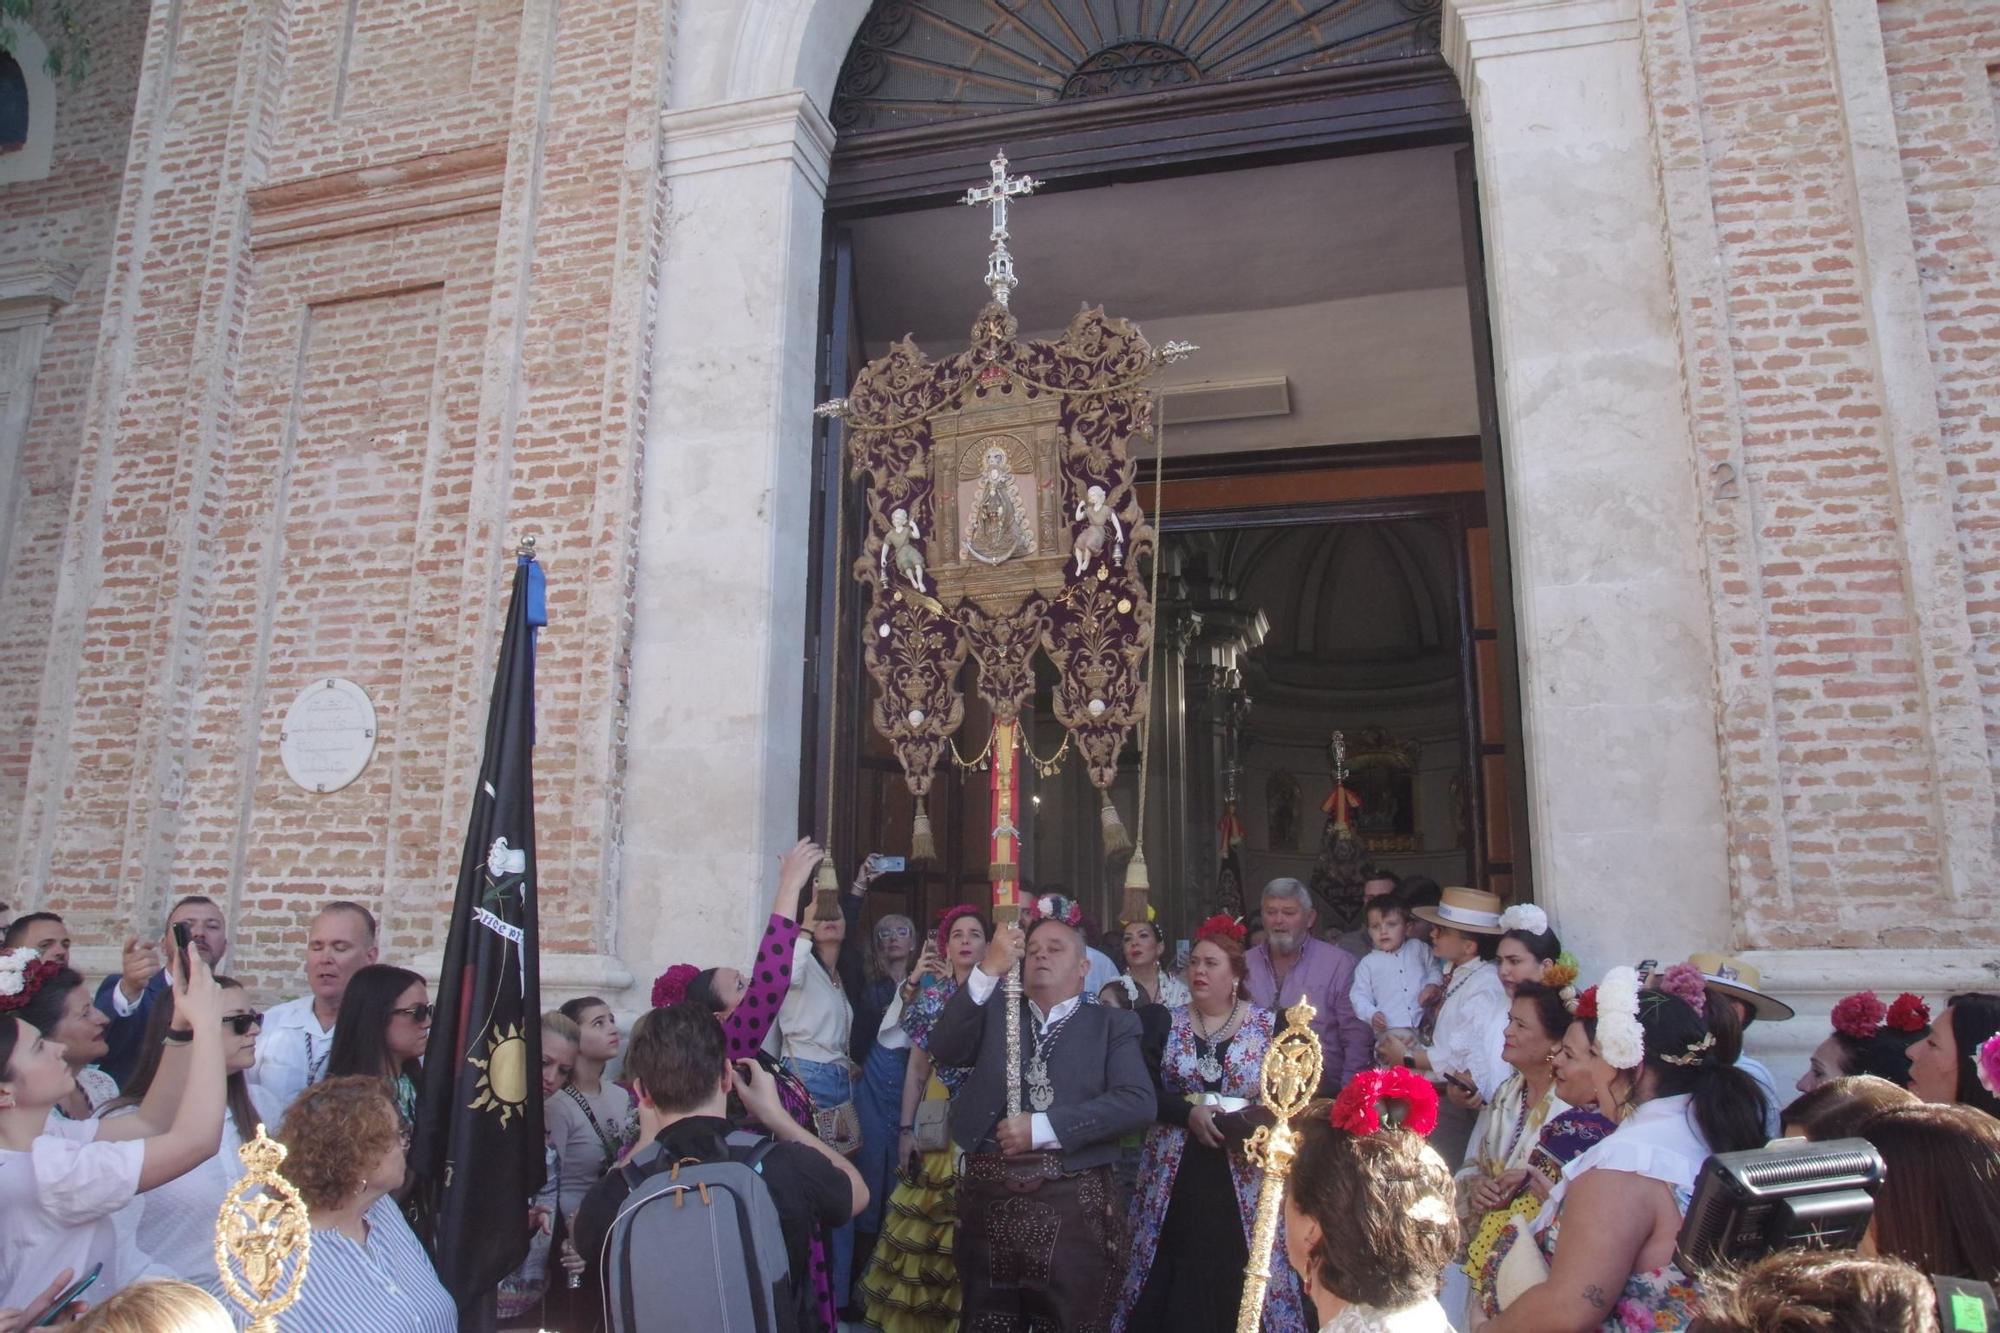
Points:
[(922, 847), (826, 892), (1116, 840), (1136, 888)]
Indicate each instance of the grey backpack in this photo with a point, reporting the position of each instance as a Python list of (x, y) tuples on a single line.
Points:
[(697, 1246)]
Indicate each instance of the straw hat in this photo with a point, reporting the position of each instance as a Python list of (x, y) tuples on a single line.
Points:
[(1734, 977), (1468, 910)]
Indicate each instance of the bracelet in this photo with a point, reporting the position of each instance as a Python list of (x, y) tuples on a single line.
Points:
[(177, 1037), (907, 1129)]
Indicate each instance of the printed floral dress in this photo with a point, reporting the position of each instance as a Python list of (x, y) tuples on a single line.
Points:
[(1196, 1206)]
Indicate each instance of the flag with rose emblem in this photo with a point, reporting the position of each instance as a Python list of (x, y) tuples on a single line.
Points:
[(478, 1147)]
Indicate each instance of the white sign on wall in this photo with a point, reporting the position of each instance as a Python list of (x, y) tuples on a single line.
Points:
[(329, 735)]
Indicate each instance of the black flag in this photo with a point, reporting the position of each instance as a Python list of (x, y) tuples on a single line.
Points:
[(478, 1144)]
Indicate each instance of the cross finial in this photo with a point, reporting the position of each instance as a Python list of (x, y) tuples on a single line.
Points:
[(1000, 279)]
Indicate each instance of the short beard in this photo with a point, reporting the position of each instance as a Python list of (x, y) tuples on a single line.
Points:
[(1284, 941)]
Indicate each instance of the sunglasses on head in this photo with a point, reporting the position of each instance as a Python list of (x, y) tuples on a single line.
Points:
[(419, 1013), (241, 1024)]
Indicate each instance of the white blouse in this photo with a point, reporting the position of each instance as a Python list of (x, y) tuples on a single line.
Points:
[(814, 1020), (176, 1221), (56, 1205)]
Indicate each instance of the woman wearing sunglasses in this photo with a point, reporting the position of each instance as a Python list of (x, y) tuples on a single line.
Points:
[(173, 1225), (384, 1025)]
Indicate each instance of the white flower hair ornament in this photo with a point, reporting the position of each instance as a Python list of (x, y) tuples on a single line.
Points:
[(22, 974), (14, 969), (1526, 917), (1619, 1035)]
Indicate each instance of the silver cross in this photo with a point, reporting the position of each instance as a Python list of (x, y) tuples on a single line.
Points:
[(1000, 279)]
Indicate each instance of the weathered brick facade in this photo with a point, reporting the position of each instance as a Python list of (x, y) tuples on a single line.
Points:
[(364, 302)]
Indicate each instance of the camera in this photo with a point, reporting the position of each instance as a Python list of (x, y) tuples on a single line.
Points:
[(1788, 1194)]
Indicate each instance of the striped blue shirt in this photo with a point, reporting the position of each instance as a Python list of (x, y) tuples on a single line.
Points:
[(385, 1286)]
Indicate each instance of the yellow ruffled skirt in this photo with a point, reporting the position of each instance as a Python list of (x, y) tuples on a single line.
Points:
[(911, 1283)]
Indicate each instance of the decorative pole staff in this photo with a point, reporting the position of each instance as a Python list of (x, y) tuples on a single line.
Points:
[(263, 1229), (1292, 1068), (1005, 862)]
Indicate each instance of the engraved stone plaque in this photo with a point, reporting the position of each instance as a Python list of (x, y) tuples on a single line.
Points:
[(329, 735)]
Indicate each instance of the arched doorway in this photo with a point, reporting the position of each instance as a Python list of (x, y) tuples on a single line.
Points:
[(1623, 550), (1287, 186)]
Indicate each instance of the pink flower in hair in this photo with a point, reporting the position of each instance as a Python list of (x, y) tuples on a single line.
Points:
[(1860, 1015), (1686, 983), (1987, 1062)]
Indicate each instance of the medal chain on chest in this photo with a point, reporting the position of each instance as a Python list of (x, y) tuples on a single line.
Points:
[(1458, 978), (1208, 1061), (1041, 1090)]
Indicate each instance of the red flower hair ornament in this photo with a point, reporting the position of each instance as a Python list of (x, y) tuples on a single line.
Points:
[(950, 917), (671, 986), (1221, 924), (1397, 1097), (1908, 1013), (1859, 1015), (1586, 1004)]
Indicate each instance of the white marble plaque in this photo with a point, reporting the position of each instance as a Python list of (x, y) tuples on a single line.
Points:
[(329, 735)]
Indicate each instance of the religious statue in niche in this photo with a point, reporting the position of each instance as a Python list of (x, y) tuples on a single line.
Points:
[(1383, 775), (1281, 812), (1096, 515), (997, 526), (900, 543)]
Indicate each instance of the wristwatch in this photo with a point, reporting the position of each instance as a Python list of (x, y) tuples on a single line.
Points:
[(1409, 1062)]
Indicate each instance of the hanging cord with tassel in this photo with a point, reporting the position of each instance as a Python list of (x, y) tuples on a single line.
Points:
[(1137, 886), (826, 885)]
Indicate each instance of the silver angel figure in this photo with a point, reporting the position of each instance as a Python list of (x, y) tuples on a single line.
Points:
[(902, 539), (1095, 515)]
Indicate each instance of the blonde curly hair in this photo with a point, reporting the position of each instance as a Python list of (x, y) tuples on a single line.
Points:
[(333, 1133)]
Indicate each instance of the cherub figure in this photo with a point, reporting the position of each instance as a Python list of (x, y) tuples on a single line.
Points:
[(902, 538), (1096, 515)]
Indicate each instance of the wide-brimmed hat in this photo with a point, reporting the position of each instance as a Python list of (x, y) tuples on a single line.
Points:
[(1736, 978), (1469, 910)]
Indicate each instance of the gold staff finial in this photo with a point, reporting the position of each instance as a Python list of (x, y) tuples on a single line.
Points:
[(1292, 1068), (261, 1235)]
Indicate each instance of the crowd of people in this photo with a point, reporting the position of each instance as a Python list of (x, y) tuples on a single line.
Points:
[(1500, 1146)]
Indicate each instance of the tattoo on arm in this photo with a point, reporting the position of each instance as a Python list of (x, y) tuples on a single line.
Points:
[(1595, 1295)]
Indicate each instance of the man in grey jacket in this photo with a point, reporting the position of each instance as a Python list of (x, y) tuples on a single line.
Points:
[(1044, 1174)]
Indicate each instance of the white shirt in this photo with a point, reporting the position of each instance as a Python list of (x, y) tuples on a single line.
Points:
[(292, 1053), (56, 1205), (1767, 1085), (1102, 971), (176, 1221), (982, 987), (1173, 991), (890, 1036), (1659, 1141), (1389, 982), (1471, 1026), (814, 1020)]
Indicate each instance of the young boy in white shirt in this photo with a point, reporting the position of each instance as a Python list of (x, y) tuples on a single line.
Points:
[(1392, 982)]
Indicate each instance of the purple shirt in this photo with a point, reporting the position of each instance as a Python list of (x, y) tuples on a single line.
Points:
[(1323, 974)]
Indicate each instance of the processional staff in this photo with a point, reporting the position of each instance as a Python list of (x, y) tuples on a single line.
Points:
[(1292, 1069)]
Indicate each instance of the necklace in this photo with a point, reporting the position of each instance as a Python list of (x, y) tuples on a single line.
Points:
[(1041, 1089), (1458, 976), (316, 1063), (1208, 1063)]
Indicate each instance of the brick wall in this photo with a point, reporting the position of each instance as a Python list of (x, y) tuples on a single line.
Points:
[(376, 312), (65, 218)]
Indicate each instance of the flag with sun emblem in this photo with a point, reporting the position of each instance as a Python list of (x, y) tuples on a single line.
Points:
[(478, 1143)]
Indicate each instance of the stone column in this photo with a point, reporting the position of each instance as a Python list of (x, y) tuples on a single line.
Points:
[(712, 775), (1619, 696)]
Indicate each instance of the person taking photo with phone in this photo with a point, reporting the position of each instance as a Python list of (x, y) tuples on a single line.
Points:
[(62, 1180)]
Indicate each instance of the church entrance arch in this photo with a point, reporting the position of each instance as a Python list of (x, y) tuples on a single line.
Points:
[(1606, 499), (1315, 158)]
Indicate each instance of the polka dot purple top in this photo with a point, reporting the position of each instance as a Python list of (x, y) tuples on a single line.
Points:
[(769, 979)]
